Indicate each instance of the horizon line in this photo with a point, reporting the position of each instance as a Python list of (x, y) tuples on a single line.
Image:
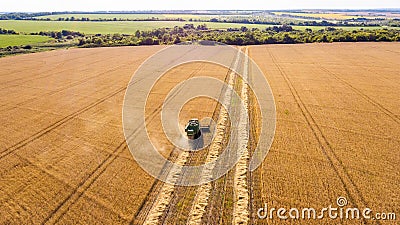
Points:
[(203, 10)]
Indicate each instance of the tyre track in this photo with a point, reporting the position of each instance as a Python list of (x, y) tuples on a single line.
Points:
[(351, 189), (165, 195), (48, 55), (74, 84), (387, 112), (182, 196), (60, 122), (83, 186), (151, 196), (37, 75)]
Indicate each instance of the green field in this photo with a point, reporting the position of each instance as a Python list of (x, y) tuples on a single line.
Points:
[(123, 27), (98, 16), (18, 40), (128, 16)]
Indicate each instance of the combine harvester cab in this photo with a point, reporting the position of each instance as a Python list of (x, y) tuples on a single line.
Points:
[(192, 129)]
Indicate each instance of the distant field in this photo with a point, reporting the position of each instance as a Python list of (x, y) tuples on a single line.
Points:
[(125, 27), (17, 40), (136, 16), (328, 16), (128, 16)]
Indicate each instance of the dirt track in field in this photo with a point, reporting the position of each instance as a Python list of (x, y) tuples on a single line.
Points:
[(64, 159)]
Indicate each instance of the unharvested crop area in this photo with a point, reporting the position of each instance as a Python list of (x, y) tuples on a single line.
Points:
[(63, 156), (337, 127), (63, 153)]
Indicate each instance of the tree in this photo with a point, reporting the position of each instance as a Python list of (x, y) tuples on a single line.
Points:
[(65, 32), (137, 34), (286, 28), (270, 40), (98, 41), (147, 41), (324, 38), (238, 41), (177, 40), (166, 38), (287, 39), (81, 42), (59, 35)]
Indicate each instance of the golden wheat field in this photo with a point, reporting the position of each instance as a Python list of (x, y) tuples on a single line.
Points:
[(64, 158)]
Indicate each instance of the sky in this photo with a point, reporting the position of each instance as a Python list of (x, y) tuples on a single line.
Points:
[(124, 5)]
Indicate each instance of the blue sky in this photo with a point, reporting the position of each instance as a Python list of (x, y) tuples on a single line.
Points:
[(95, 5)]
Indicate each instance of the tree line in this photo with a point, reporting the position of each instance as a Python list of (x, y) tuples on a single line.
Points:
[(239, 36), (5, 31), (22, 16), (59, 34), (284, 34)]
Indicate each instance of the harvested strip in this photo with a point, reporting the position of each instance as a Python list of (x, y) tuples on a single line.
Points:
[(241, 191), (166, 191), (203, 192)]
